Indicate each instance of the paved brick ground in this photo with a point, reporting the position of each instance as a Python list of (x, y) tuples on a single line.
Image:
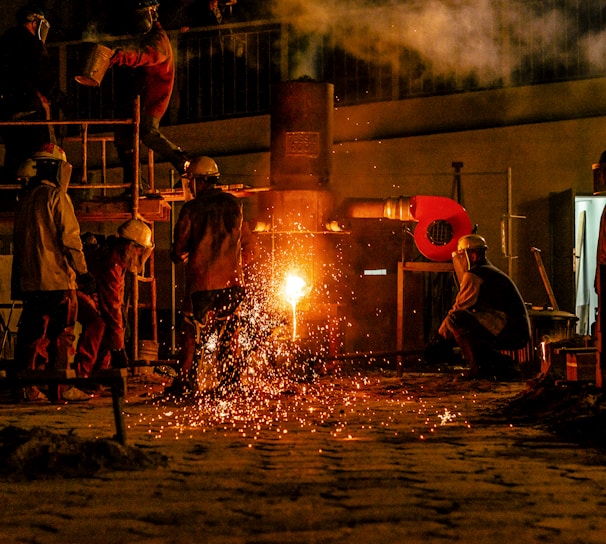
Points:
[(360, 459)]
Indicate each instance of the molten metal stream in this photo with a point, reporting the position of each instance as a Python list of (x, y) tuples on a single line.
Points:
[(294, 290)]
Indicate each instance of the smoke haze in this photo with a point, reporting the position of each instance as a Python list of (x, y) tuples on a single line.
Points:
[(490, 39)]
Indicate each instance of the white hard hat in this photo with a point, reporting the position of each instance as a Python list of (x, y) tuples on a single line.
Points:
[(27, 170), (51, 152), (138, 232)]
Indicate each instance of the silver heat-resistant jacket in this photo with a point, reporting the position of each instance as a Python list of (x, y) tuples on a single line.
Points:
[(47, 247)]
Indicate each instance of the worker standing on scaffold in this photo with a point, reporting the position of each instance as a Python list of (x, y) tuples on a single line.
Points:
[(146, 68)]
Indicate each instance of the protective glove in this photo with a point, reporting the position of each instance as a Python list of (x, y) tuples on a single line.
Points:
[(87, 283), (119, 358)]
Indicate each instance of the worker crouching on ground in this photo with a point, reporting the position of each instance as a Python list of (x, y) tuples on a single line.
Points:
[(47, 263), (102, 340), (488, 314), (214, 242)]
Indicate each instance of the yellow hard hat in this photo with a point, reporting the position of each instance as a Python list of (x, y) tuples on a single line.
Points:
[(202, 167), (471, 241)]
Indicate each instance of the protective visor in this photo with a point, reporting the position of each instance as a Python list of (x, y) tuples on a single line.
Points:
[(460, 262), (43, 28), (64, 174)]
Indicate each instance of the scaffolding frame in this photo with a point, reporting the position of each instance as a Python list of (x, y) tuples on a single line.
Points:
[(135, 208)]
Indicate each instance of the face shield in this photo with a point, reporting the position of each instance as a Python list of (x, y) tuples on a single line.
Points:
[(144, 19), (136, 256), (64, 174), (460, 263), (43, 28), (58, 172)]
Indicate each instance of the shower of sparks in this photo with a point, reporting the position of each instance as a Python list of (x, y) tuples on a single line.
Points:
[(446, 417), (289, 382), (275, 405)]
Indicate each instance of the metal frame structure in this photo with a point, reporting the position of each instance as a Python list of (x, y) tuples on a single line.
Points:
[(135, 211)]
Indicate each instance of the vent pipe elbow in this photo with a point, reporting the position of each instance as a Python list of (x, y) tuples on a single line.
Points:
[(441, 220)]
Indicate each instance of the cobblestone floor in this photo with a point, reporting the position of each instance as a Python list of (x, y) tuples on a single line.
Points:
[(357, 459)]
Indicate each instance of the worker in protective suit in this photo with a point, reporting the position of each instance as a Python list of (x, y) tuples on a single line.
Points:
[(488, 314), (48, 262), (214, 242), (145, 67), (25, 88), (102, 341)]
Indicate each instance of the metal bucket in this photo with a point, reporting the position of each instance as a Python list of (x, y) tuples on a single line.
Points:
[(551, 325), (97, 58)]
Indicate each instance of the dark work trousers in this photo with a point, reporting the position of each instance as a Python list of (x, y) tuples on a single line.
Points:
[(45, 336), (151, 136), (89, 357), (217, 311)]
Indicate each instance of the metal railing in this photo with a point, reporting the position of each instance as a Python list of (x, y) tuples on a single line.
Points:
[(85, 127), (227, 70)]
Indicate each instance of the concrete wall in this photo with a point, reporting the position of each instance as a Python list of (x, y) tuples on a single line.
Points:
[(548, 136)]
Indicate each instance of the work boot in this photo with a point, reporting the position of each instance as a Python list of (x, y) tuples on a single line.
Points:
[(439, 350), (504, 368), (31, 393), (182, 162), (71, 393), (472, 354)]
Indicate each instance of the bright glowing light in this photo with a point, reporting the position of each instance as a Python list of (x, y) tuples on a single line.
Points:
[(446, 417), (295, 289)]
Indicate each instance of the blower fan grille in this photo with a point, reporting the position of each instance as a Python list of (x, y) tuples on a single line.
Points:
[(440, 232)]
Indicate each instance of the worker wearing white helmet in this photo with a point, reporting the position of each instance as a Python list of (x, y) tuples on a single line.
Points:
[(488, 314), (103, 344), (47, 263), (214, 242)]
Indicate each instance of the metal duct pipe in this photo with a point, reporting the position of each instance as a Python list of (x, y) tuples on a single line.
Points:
[(441, 221), (390, 208)]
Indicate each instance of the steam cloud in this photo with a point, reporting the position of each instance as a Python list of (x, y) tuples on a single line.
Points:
[(487, 38)]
